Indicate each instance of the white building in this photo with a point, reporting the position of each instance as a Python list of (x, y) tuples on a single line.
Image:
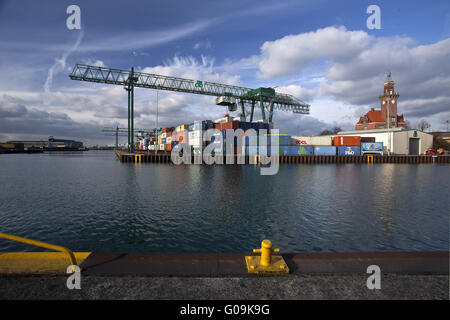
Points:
[(397, 140)]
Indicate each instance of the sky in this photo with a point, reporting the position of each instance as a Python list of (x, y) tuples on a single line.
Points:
[(321, 52)]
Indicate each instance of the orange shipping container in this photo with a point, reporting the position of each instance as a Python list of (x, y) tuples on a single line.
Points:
[(168, 134), (168, 147), (227, 125), (347, 141)]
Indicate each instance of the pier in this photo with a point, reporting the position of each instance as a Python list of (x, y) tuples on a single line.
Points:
[(164, 157)]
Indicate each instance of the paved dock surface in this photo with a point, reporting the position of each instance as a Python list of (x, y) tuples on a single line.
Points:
[(404, 275), (291, 287)]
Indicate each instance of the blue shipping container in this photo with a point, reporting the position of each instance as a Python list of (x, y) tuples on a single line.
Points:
[(349, 151), (163, 140), (282, 140), (301, 151), (325, 151)]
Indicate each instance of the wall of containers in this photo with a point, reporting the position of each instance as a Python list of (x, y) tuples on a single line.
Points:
[(192, 134)]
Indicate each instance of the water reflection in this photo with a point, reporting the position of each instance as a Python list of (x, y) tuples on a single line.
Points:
[(94, 203)]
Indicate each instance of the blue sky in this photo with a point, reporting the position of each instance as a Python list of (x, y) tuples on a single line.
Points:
[(319, 51)]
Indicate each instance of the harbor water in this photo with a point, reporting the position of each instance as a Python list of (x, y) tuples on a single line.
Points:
[(89, 201)]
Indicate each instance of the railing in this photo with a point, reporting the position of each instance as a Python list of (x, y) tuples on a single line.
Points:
[(49, 246)]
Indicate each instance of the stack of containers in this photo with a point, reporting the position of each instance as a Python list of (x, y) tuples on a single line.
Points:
[(196, 134), (168, 144), (305, 145), (348, 145)]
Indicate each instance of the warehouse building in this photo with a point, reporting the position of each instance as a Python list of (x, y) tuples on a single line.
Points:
[(397, 140)]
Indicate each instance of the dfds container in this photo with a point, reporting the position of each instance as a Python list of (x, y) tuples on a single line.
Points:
[(325, 151), (347, 141), (349, 151)]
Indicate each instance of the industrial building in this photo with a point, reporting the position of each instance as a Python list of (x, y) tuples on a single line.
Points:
[(397, 140)]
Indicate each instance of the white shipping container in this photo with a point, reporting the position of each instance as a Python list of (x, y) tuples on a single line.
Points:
[(311, 140), (161, 146), (163, 135), (152, 147), (168, 139)]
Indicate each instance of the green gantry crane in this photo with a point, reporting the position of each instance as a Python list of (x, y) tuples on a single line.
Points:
[(227, 95)]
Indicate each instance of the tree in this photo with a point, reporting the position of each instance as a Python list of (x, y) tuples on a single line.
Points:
[(423, 125), (327, 132)]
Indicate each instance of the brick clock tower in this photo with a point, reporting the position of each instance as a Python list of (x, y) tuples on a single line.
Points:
[(387, 117), (389, 100)]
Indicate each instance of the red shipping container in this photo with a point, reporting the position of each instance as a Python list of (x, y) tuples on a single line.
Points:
[(163, 130), (168, 134), (347, 141), (367, 139), (168, 147), (230, 125)]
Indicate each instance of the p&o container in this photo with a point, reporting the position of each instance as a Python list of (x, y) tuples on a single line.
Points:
[(349, 150)]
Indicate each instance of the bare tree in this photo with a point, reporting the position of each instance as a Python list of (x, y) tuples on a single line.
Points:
[(423, 125), (326, 132)]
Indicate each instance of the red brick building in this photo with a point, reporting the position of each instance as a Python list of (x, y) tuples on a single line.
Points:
[(386, 117)]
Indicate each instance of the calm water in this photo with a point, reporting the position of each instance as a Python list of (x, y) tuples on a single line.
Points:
[(91, 202)]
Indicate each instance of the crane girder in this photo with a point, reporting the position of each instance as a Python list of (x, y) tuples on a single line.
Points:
[(153, 81)]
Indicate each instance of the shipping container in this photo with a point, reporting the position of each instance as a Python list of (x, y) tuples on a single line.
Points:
[(347, 141), (168, 146), (151, 147), (367, 139), (163, 140), (196, 138), (227, 125), (301, 150), (372, 147), (325, 151), (168, 134), (197, 151), (161, 147), (283, 140), (311, 140), (169, 139), (349, 150)]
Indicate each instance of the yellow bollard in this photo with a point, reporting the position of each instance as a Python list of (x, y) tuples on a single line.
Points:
[(257, 160), (266, 252), (369, 159), (266, 263), (137, 157)]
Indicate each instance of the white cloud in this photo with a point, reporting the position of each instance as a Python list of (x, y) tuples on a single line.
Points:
[(288, 55), (354, 65)]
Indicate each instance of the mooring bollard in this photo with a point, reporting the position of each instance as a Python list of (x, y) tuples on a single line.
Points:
[(266, 263)]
